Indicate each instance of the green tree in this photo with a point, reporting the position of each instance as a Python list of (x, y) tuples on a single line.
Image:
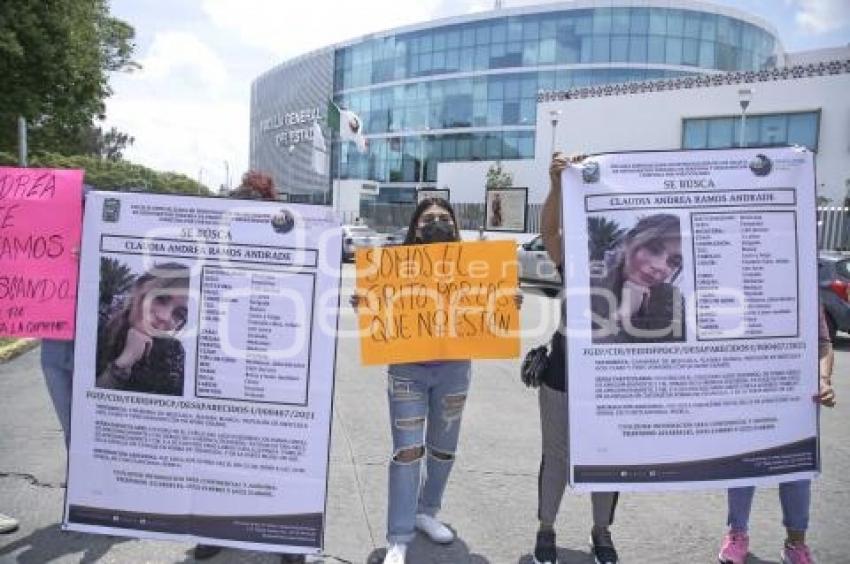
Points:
[(115, 175), (115, 279), (602, 234), (55, 57), (109, 145), (498, 178)]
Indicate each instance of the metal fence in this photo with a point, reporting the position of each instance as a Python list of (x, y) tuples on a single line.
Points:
[(833, 222), (833, 227)]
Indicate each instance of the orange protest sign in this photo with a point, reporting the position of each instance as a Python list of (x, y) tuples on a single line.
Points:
[(441, 301)]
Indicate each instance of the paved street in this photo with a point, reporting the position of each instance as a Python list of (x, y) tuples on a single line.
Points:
[(490, 500)]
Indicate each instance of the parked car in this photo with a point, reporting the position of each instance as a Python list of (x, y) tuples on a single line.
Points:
[(396, 237), (356, 237), (535, 265), (834, 283)]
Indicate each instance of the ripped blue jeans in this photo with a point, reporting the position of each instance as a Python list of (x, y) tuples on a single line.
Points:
[(426, 402)]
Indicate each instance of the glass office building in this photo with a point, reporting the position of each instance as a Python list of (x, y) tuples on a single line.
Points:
[(466, 88)]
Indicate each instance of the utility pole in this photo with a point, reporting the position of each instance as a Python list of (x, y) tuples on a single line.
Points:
[(22, 141)]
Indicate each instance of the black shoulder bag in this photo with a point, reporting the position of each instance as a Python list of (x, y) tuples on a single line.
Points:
[(534, 366)]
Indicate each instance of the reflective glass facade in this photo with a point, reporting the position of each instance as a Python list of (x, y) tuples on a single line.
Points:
[(761, 130), (466, 89), (642, 36), (486, 74)]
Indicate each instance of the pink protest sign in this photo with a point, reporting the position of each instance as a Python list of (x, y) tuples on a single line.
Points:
[(40, 225)]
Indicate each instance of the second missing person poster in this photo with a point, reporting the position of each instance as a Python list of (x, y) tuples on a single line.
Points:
[(692, 309)]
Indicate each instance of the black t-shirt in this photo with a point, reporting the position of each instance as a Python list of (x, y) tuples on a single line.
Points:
[(160, 371)]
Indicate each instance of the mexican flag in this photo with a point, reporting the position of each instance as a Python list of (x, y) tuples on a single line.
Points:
[(349, 125)]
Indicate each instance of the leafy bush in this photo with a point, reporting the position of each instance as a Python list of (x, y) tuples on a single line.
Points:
[(116, 175)]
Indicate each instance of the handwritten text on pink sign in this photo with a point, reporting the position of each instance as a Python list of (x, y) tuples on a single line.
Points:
[(40, 224)]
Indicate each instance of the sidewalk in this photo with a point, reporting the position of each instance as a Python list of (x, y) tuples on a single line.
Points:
[(490, 501)]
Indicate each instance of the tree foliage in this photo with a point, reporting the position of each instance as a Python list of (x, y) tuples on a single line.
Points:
[(115, 279), (116, 175), (55, 56), (498, 177), (603, 234), (107, 145)]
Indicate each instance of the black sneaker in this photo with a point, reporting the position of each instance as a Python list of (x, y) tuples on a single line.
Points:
[(545, 551), (205, 551), (602, 547)]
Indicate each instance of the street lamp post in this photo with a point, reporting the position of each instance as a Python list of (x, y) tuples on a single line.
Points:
[(553, 114), (745, 96)]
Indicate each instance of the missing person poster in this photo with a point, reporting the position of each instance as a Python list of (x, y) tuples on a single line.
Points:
[(506, 209), (692, 310), (40, 222), (443, 301), (202, 378)]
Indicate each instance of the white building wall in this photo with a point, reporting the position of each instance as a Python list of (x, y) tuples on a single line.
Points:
[(814, 56), (653, 121), (348, 193)]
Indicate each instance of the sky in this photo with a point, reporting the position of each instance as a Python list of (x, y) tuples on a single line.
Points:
[(188, 107)]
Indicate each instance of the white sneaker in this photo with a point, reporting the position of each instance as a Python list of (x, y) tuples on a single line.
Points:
[(395, 554), (8, 524), (435, 530)]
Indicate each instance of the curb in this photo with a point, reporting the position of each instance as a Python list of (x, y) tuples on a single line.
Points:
[(17, 348)]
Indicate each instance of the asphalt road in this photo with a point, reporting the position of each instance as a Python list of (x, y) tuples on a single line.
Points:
[(490, 501)]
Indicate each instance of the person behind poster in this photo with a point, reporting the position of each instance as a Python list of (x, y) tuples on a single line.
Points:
[(255, 186), (57, 363), (425, 398), (634, 298), (554, 463), (138, 346), (795, 497), (57, 360)]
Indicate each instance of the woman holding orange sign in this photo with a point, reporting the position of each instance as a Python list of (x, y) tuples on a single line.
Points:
[(426, 401)]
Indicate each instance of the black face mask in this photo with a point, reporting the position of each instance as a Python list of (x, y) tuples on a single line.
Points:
[(437, 232)]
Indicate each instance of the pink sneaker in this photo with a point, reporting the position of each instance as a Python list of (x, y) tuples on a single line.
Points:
[(797, 553), (735, 547)]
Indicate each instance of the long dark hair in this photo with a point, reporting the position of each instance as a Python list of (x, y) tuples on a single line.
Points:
[(420, 209)]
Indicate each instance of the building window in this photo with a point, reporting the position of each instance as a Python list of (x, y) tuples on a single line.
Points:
[(720, 133), (762, 130), (695, 134)]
